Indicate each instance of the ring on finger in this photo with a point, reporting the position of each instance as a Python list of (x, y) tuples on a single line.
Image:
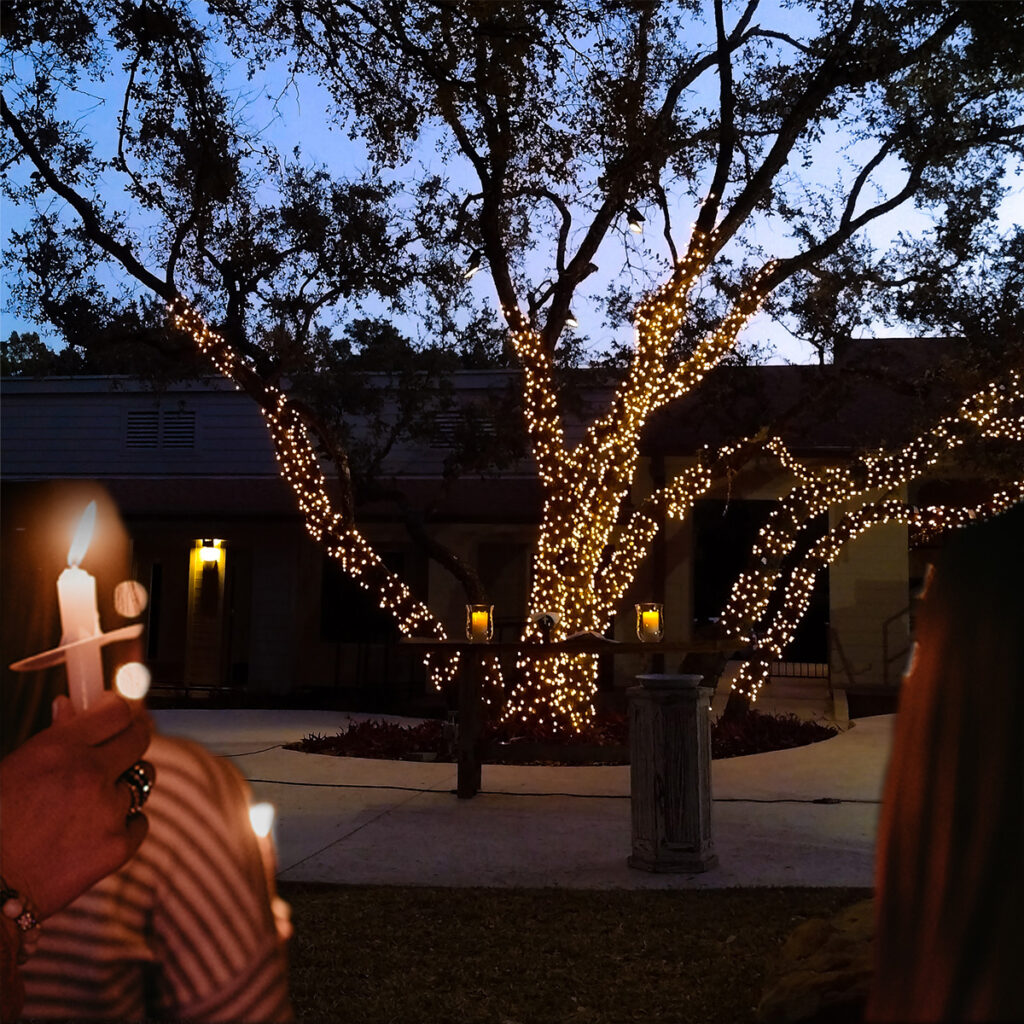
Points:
[(140, 783)]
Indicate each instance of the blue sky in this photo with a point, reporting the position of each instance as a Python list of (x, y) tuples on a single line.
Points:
[(298, 119)]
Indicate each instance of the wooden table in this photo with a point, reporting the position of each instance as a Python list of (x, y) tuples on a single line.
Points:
[(471, 674)]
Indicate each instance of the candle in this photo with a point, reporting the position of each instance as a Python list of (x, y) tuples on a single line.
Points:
[(478, 622), (80, 619), (649, 622), (261, 817)]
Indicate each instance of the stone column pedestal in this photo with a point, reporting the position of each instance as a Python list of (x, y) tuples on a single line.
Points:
[(670, 774)]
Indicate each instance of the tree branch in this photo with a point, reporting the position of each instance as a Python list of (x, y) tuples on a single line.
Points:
[(90, 217)]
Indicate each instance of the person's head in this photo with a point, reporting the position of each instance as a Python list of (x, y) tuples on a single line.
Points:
[(950, 842)]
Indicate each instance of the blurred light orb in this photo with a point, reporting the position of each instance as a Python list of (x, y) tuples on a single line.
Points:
[(130, 598), (132, 680), (261, 816)]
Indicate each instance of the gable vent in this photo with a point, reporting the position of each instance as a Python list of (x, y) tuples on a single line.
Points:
[(142, 429), (448, 426), (179, 429), (152, 428)]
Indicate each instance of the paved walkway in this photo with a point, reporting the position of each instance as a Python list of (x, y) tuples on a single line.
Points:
[(790, 817)]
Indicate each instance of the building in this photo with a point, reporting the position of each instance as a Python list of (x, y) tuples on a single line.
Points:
[(244, 606)]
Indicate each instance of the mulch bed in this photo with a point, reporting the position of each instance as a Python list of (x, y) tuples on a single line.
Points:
[(605, 741)]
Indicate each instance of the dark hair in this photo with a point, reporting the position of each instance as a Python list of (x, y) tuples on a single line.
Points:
[(951, 834)]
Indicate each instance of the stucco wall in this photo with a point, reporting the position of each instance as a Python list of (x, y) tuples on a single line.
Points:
[(869, 587)]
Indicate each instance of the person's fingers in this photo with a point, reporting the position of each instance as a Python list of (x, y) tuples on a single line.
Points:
[(136, 828), (62, 710), (124, 749), (109, 716)]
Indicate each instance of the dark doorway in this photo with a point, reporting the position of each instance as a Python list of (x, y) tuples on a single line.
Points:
[(724, 536)]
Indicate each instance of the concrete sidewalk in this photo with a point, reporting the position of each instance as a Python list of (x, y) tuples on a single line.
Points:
[(790, 817)]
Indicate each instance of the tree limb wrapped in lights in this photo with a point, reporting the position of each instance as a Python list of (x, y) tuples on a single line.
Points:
[(525, 115), (299, 465), (928, 522), (994, 411)]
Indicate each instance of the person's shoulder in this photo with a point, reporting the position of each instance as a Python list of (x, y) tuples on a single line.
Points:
[(185, 765)]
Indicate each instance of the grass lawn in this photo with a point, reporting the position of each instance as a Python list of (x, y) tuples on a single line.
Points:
[(409, 955)]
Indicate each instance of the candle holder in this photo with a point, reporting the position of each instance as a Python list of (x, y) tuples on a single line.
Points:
[(479, 622), (650, 622)]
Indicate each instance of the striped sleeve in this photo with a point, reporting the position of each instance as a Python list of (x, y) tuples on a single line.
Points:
[(184, 930)]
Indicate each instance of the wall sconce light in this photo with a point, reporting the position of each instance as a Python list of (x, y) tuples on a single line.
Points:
[(635, 219), (650, 622), (209, 550), (479, 622)]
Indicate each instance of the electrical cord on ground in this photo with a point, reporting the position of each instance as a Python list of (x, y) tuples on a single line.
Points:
[(245, 753), (577, 796)]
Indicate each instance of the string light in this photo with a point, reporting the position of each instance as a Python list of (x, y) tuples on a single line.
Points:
[(300, 467), (995, 411), (586, 556), (586, 488)]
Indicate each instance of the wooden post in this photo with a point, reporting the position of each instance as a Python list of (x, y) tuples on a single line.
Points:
[(470, 722), (670, 774)]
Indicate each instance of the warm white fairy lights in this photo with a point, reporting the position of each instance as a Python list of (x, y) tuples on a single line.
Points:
[(587, 488), (586, 555), (299, 465), (995, 411)]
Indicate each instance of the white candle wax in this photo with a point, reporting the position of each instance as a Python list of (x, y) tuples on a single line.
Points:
[(478, 625), (80, 619)]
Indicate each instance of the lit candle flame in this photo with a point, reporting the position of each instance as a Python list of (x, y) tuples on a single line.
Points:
[(83, 534), (262, 818)]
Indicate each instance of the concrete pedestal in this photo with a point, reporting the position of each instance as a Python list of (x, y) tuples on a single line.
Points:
[(670, 774)]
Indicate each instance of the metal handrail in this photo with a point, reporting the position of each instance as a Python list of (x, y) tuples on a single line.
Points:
[(833, 637), (887, 658)]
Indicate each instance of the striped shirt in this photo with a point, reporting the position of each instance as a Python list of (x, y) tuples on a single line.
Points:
[(183, 931)]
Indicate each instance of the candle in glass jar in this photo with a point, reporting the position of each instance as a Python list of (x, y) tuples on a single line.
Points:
[(478, 622), (80, 619), (651, 621)]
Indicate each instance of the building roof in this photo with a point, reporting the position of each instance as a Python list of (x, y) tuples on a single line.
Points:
[(879, 393), (202, 447)]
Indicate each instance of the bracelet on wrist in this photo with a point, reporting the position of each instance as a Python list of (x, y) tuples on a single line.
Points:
[(14, 906)]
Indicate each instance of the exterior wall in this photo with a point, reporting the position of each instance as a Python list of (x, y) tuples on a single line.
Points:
[(273, 664), (869, 600), (195, 461), (109, 427)]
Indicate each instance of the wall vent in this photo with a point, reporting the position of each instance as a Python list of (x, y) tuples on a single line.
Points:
[(179, 429), (142, 429), (449, 427), (151, 428)]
